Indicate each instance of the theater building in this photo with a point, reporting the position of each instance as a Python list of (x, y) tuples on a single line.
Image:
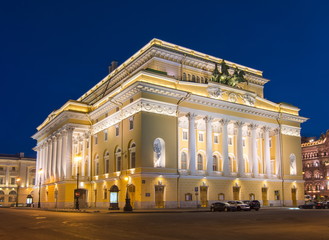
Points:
[(315, 153), (17, 180), (171, 127)]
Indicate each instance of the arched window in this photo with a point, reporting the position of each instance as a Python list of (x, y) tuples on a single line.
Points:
[(183, 160), (202, 80), (12, 196), (132, 155), (251, 196), (198, 79), (193, 78), (2, 196), (159, 153), (188, 77), (215, 163), (96, 165), (118, 159), (106, 162), (200, 162), (184, 76), (233, 163)]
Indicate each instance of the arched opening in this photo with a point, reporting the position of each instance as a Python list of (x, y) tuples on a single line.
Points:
[(199, 162), (132, 155), (183, 161), (118, 157)]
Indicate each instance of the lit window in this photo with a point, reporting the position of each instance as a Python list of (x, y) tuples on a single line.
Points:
[(200, 162), (214, 163), (118, 160), (131, 123), (200, 136), (216, 138), (183, 160), (185, 135), (276, 195)]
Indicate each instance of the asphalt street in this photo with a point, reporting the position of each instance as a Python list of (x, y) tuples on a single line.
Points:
[(276, 223)]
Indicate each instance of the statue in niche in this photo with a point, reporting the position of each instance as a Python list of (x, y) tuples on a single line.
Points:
[(293, 170), (159, 152)]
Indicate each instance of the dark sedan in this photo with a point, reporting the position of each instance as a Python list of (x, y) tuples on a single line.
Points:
[(221, 206)]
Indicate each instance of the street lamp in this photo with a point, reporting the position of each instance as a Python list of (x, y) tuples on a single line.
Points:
[(127, 207), (40, 172), (18, 185), (77, 160)]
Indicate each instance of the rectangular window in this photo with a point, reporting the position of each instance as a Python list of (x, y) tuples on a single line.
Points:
[(277, 195), (1, 168), (200, 136), (230, 140), (244, 142), (216, 138), (96, 139), (116, 130), (131, 124), (185, 136), (12, 181), (270, 142), (105, 193), (188, 197), (2, 180), (105, 136), (13, 169)]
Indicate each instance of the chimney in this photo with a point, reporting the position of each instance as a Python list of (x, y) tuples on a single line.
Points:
[(113, 66)]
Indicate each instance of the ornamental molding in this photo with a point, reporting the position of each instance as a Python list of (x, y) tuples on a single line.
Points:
[(290, 131), (58, 120), (142, 104)]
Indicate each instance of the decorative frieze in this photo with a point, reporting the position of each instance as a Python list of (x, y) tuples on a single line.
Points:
[(290, 131)]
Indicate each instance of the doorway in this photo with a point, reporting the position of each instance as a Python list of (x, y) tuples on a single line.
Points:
[(203, 196), (159, 196), (264, 196), (294, 196), (236, 193), (131, 191)]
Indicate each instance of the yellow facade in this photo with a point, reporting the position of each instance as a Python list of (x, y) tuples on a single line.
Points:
[(162, 129)]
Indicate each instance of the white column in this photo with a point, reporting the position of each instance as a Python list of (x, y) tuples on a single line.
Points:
[(241, 163), (49, 160), (191, 142), (38, 163), (59, 155), (63, 158), (254, 156), (83, 165), (44, 161), (226, 165), (54, 165), (68, 161), (267, 155), (277, 152), (209, 150)]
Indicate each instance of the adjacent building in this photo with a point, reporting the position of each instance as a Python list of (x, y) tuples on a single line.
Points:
[(315, 154), (171, 127), (17, 179)]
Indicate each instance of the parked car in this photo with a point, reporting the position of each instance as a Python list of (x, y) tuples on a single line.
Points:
[(253, 204), (308, 205), (320, 205), (326, 204), (221, 206), (240, 205)]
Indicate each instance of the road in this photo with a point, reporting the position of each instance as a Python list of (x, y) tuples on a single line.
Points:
[(280, 223)]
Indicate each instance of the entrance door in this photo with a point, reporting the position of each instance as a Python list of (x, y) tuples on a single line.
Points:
[(159, 196), (264, 196), (83, 198), (294, 196), (203, 196), (236, 193)]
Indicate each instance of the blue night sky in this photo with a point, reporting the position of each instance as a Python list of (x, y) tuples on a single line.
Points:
[(53, 51)]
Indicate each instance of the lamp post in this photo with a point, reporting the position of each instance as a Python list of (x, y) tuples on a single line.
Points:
[(18, 185), (77, 160), (40, 172), (127, 207)]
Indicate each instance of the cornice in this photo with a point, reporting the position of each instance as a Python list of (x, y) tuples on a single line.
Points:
[(59, 119)]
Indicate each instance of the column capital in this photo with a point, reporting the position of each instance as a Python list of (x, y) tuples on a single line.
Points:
[(224, 122), (191, 116), (276, 131), (266, 129), (253, 126), (208, 119), (239, 124)]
